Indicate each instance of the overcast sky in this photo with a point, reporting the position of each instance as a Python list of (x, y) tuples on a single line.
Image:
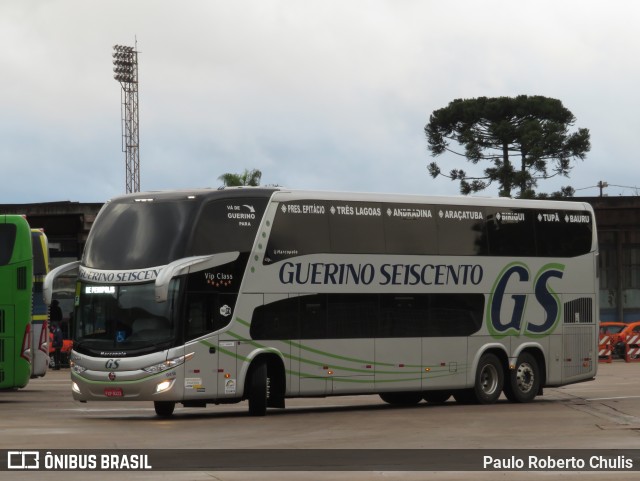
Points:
[(317, 94)]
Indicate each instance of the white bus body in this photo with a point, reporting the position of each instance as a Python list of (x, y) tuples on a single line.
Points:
[(267, 294)]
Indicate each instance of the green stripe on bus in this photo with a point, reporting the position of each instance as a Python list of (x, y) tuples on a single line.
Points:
[(443, 371)]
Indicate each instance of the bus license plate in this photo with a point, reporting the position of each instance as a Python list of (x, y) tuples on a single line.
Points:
[(113, 392)]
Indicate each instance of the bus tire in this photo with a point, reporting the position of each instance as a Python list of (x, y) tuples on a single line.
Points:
[(401, 398), (164, 409), (258, 387), (524, 381), (489, 379), (436, 397)]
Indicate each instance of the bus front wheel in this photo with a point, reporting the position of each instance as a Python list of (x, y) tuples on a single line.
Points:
[(164, 409), (258, 389)]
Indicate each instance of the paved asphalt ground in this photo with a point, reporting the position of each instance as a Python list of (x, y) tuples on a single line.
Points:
[(598, 415)]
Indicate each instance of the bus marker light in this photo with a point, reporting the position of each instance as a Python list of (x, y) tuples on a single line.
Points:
[(227, 376), (26, 344), (329, 372), (427, 369)]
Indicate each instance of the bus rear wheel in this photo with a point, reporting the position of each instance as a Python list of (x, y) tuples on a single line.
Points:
[(258, 389), (164, 409), (524, 381), (401, 398)]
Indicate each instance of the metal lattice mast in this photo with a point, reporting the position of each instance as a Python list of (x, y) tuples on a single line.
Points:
[(125, 61)]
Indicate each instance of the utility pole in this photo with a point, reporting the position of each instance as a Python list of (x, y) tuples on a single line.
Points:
[(125, 61), (601, 186)]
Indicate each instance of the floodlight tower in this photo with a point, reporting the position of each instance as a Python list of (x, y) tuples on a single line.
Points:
[(125, 61)]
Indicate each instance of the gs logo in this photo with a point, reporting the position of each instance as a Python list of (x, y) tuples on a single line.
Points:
[(112, 364), (500, 325)]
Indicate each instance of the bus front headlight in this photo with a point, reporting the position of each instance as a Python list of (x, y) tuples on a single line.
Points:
[(77, 368), (168, 364), (164, 385)]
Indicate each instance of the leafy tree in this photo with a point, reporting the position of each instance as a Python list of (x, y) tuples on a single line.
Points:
[(525, 139), (248, 177)]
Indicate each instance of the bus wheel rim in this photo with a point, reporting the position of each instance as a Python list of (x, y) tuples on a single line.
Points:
[(525, 377), (489, 379)]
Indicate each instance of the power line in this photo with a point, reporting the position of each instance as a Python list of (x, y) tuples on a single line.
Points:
[(602, 185)]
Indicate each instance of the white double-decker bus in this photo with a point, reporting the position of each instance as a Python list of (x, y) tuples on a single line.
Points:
[(220, 296)]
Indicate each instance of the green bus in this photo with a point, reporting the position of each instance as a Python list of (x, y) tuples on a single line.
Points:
[(16, 285)]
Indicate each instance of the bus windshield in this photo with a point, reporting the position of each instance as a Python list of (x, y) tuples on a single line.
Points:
[(125, 318), (134, 235)]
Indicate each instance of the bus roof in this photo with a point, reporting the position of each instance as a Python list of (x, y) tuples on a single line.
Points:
[(283, 195), (194, 194), (289, 195)]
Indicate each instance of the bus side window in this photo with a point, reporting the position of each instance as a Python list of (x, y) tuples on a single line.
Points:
[(196, 324), (313, 313), (402, 315), (207, 312), (7, 241), (276, 320)]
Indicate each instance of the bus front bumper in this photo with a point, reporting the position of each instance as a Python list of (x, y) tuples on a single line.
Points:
[(126, 386)]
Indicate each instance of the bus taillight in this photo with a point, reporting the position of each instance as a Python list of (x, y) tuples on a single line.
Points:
[(26, 344), (44, 336)]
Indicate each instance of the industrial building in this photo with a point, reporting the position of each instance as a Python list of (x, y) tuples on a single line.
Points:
[(67, 225)]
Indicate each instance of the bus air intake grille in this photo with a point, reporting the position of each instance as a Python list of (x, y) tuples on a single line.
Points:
[(2, 351), (1, 376), (2, 321), (22, 278), (579, 311)]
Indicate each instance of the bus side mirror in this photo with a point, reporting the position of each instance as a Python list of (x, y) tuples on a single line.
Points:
[(47, 286)]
